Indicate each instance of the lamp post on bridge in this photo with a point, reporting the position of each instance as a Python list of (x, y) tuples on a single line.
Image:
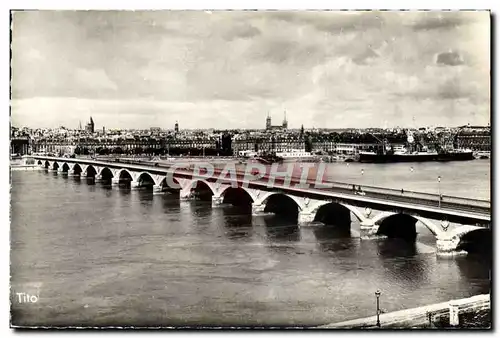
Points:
[(439, 191), (377, 294)]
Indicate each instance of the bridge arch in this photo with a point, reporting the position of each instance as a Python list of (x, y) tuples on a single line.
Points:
[(332, 212), (264, 199), (474, 240), (463, 230), (65, 167), (429, 224), (435, 229), (55, 165), (355, 211), (397, 225), (236, 196), (90, 171), (46, 164), (196, 184), (178, 184), (125, 175), (145, 178), (77, 169), (156, 179), (282, 204), (105, 173)]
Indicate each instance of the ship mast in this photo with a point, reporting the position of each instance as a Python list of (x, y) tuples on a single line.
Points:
[(382, 142)]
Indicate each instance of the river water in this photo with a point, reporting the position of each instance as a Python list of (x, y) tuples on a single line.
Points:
[(96, 255)]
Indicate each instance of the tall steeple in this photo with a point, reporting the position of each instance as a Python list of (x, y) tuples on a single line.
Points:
[(268, 121), (285, 122), (91, 125)]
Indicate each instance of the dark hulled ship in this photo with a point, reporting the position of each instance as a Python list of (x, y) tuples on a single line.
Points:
[(391, 156), (410, 153)]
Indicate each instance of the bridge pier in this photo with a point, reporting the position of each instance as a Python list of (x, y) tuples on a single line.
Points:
[(135, 185), (217, 201), (71, 173), (60, 171), (447, 247), (115, 181), (258, 209), (186, 195), (306, 217), (158, 189), (98, 178), (368, 229)]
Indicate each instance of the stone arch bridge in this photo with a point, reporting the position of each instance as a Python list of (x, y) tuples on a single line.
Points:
[(454, 226)]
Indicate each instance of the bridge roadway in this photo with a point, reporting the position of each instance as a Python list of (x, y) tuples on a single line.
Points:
[(452, 208)]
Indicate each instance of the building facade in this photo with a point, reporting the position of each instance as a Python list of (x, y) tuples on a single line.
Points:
[(474, 138)]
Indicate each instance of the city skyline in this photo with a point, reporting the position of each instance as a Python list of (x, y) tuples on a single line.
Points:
[(176, 126), (226, 70)]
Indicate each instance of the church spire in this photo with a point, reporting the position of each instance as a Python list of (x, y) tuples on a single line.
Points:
[(285, 122), (268, 121)]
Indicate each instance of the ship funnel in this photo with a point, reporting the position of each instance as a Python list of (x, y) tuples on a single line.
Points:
[(410, 138)]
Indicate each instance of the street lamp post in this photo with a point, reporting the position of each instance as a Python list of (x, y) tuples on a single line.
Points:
[(377, 294), (439, 191)]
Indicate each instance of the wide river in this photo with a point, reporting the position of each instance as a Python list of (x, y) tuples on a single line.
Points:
[(96, 255)]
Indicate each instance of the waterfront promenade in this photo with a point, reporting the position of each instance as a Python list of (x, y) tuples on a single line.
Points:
[(419, 317)]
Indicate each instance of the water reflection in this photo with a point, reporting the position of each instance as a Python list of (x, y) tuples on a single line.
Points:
[(258, 269), (123, 192), (281, 228), (108, 193), (237, 222), (332, 238), (145, 196), (200, 209), (396, 247), (170, 203), (476, 269), (400, 261)]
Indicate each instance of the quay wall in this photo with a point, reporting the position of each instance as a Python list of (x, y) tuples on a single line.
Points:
[(415, 316)]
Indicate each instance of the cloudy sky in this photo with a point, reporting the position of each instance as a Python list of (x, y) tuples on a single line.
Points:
[(228, 69)]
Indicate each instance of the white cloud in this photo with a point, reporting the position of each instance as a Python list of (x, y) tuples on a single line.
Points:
[(228, 68)]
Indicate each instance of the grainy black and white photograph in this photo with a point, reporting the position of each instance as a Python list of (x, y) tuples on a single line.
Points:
[(250, 169)]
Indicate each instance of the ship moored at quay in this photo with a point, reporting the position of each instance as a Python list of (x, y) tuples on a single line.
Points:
[(414, 151), (420, 156)]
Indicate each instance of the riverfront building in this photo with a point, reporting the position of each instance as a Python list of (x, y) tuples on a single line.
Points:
[(474, 137), (212, 142)]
